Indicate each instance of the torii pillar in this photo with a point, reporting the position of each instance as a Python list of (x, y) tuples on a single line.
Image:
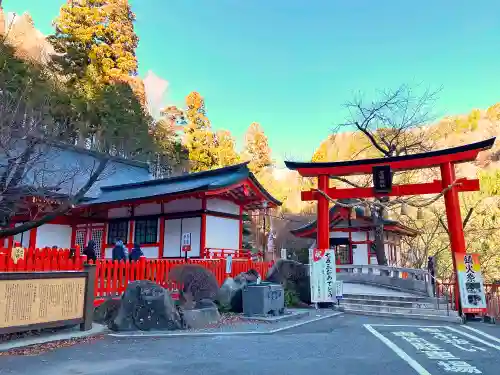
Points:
[(323, 233)]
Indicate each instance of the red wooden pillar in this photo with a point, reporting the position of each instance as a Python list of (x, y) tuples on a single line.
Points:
[(240, 241), (162, 237), (452, 204), (455, 227), (203, 228), (323, 234)]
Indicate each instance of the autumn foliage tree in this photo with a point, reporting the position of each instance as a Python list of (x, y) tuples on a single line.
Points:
[(207, 150), (257, 149)]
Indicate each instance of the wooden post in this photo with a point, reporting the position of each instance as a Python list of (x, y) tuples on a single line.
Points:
[(88, 312)]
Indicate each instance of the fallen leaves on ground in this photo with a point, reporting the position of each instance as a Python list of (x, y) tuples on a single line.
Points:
[(38, 349)]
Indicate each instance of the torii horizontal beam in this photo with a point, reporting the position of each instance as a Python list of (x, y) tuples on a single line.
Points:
[(434, 187), (453, 155)]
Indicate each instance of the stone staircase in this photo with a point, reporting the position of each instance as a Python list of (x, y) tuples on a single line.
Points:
[(389, 303), (392, 292)]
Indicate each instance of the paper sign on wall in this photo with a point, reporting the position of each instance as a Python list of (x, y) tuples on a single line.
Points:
[(186, 242), (322, 275), (470, 282)]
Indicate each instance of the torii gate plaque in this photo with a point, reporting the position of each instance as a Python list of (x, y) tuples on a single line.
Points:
[(444, 159)]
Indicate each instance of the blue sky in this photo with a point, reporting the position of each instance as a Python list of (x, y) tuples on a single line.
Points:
[(290, 65)]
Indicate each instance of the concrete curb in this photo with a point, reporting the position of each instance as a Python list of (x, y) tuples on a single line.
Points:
[(294, 315), (96, 330), (213, 334)]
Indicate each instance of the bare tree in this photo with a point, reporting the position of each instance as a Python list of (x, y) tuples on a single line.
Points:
[(36, 181), (393, 126)]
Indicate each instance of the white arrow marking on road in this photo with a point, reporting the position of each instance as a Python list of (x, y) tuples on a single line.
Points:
[(474, 338), (483, 333), (400, 352)]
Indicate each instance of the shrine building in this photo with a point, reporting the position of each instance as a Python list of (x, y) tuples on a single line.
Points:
[(353, 237), (131, 206)]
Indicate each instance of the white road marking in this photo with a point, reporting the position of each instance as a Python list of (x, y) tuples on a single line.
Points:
[(405, 325), (483, 333), (396, 349), (474, 338), (306, 322)]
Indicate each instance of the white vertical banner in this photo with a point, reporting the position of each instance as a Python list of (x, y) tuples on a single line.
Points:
[(283, 254), (471, 283), (229, 264), (322, 275)]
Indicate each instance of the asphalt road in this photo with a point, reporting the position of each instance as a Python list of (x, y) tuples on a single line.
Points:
[(341, 345)]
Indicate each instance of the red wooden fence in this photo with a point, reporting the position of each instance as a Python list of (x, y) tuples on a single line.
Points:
[(112, 277), (492, 297)]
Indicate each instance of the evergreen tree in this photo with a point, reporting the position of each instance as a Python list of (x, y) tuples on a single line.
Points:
[(257, 149), (199, 139), (97, 40)]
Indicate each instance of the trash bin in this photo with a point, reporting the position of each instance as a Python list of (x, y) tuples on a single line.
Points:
[(263, 299)]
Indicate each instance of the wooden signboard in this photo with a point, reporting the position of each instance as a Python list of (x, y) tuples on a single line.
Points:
[(37, 300), (382, 179)]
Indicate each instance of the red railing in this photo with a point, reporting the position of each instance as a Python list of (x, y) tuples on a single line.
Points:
[(492, 292), (216, 253), (112, 277)]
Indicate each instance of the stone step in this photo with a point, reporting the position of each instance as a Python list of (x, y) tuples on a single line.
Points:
[(420, 316), (399, 310), (408, 304), (388, 297)]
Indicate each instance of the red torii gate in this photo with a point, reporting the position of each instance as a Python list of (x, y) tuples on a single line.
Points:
[(444, 159)]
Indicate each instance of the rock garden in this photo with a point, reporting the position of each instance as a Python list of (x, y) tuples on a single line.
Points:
[(146, 306)]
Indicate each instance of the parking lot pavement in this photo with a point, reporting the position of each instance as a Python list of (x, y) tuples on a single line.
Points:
[(344, 344)]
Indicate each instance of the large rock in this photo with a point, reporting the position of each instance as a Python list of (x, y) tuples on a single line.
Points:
[(230, 294), (107, 311), (293, 276), (197, 283), (144, 306), (204, 313)]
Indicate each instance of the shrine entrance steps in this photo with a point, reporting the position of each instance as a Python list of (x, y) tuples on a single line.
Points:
[(378, 301)]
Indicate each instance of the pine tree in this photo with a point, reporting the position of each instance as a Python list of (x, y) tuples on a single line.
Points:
[(257, 149)]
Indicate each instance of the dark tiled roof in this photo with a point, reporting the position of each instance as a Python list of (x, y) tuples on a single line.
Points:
[(333, 210), (194, 182)]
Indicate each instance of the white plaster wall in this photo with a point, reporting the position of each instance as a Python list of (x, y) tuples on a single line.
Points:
[(172, 242), (53, 235), (358, 236), (221, 205), (23, 238), (182, 205), (147, 209), (360, 254), (339, 235), (222, 233), (109, 253), (118, 212), (193, 225), (150, 252)]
